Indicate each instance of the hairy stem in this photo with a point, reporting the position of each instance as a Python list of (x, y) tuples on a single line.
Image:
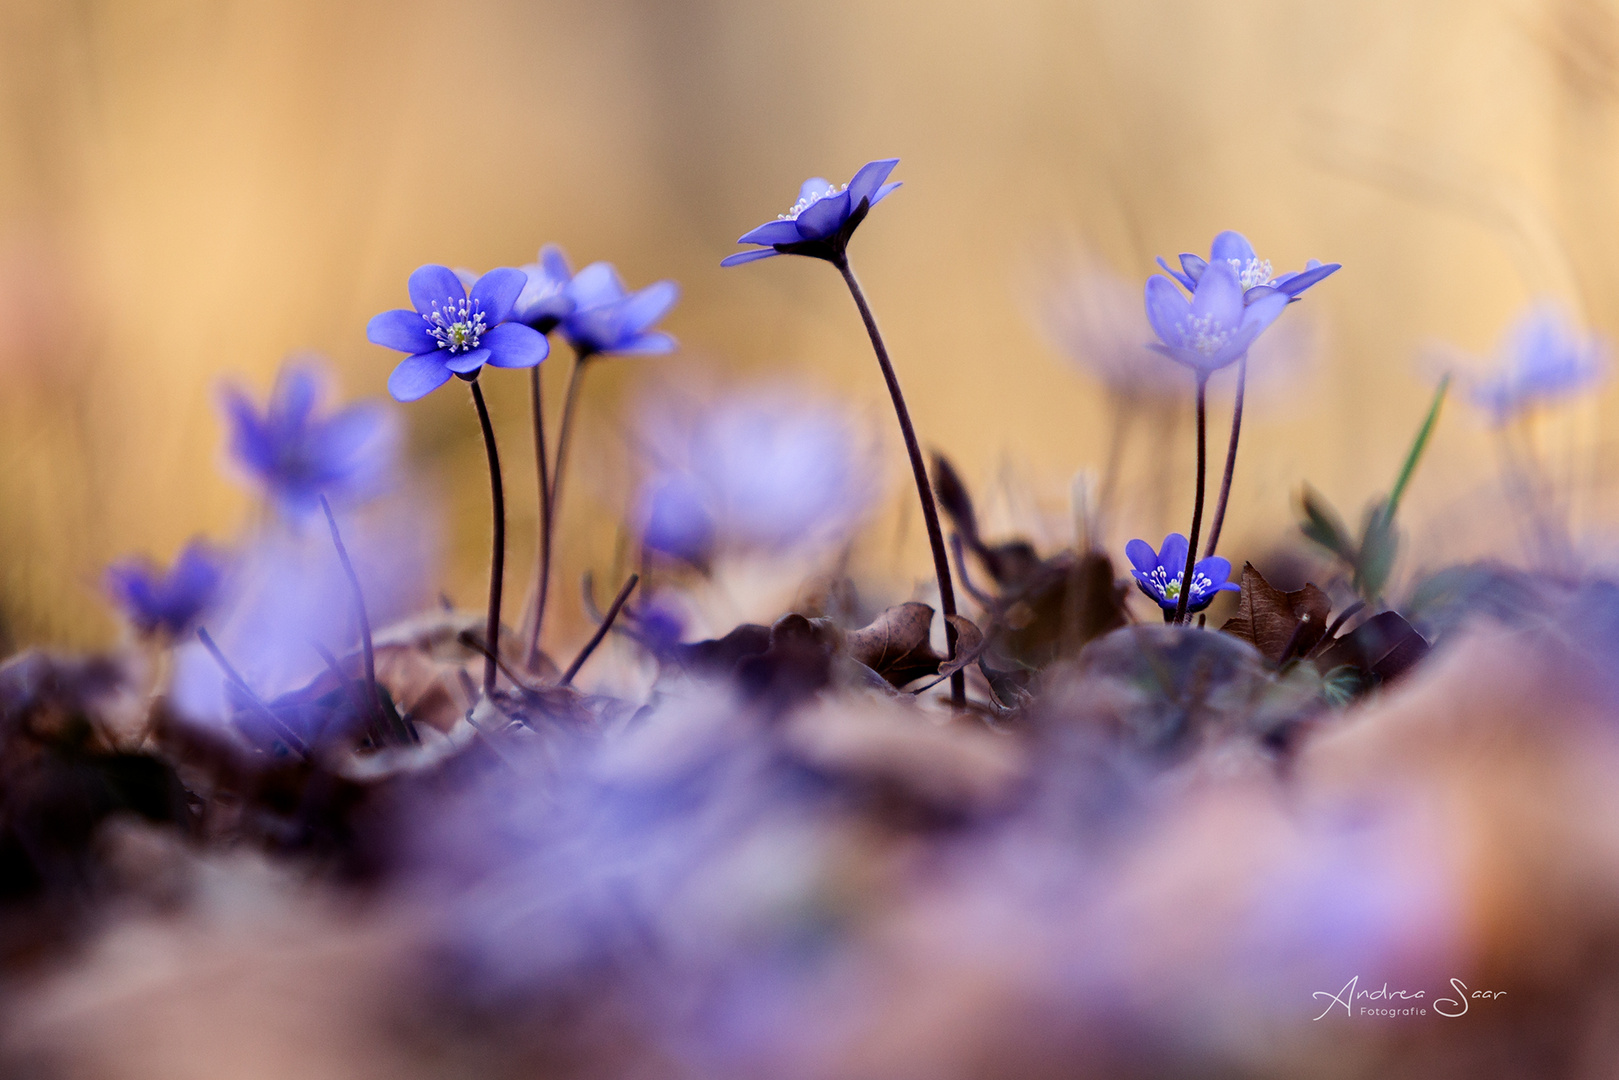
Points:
[(356, 595), (1230, 457), (601, 631), (542, 568), (570, 405), (497, 557), (930, 510), (1197, 503)]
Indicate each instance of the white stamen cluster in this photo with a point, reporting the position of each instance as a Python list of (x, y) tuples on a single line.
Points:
[(808, 201), (457, 326), (1204, 335), (1256, 272), (1170, 587)]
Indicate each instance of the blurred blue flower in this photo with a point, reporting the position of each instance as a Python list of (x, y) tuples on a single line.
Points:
[(1094, 317), (168, 603), (545, 300), (454, 330), (607, 318), (1542, 357), (820, 223), (297, 455), (759, 471), (1159, 573), (1217, 326), (1253, 273)]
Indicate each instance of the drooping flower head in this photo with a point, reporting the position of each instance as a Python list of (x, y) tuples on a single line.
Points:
[(608, 319), (454, 331), (1253, 273), (169, 603), (1217, 326), (762, 471), (1543, 357), (297, 454), (820, 223), (545, 300), (1159, 574)]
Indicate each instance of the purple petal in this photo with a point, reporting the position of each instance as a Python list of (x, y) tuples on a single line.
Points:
[(497, 291), (648, 305), (433, 284), (771, 232), (1172, 556), (400, 329), (884, 191), (824, 218), (1231, 245), (1166, 310), (1297, 283), (1194, 266), (814, 188), (1264, 311), (1259, 292), (870, 178), (468, 277), (417, 376), (1141, 555), (1215, 568), (748, 256), (465, 363), (513, 345), (653, 344), (1186, 282), (1218, 296), (250, 443), (596, 285), (555, 263), (293, 397)]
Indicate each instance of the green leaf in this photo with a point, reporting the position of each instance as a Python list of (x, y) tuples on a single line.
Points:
[(1379, 544), (1323, 525), (1417, 448)]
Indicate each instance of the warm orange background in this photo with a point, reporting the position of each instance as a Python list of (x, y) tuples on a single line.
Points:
[(195, 187)]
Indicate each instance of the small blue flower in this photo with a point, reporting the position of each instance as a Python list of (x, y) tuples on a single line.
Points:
[(607, 318), (169, 603), (1543, 356), (299, 456), (454, 331), (1217, 326), (1253, 273), (545, 300), (1159, 574), (820, 223), (678, 519)]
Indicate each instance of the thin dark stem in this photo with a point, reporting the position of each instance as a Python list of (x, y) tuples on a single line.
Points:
[(930, 510), (1230, 457), (1197, 504), (601, 631), (287, 734), (542, 569), (497, 557), (358, 597), (564, 438)]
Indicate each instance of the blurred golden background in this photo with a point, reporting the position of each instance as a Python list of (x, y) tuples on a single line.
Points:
[(195, 188)]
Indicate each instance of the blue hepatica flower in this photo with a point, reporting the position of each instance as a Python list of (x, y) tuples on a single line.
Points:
[(1216, 327), (454, 331), (1542, 357), (298, 455), (607, 318), (168, 603), (1253, 273), (1159, 574), (820, 223), (545, 300)]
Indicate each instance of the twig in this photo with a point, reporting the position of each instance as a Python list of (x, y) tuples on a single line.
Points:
[(601, 631)]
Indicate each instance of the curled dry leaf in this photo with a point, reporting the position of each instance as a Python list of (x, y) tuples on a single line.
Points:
[(1279, 624), (896, 643)]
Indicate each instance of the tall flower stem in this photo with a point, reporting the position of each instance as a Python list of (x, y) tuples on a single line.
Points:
[(1197, 503), (542, 567), (1230, 458), (930, 510), (564, 438), (357, 596), (497, 557)]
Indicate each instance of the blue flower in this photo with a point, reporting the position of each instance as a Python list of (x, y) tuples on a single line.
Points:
[(1216, 327), (678, 520), (168, 603), (299, 456), (1159, 573), (1253, 273), (454, 332), (1543, 356), (820, 223), (545, 300), (607, 318)]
